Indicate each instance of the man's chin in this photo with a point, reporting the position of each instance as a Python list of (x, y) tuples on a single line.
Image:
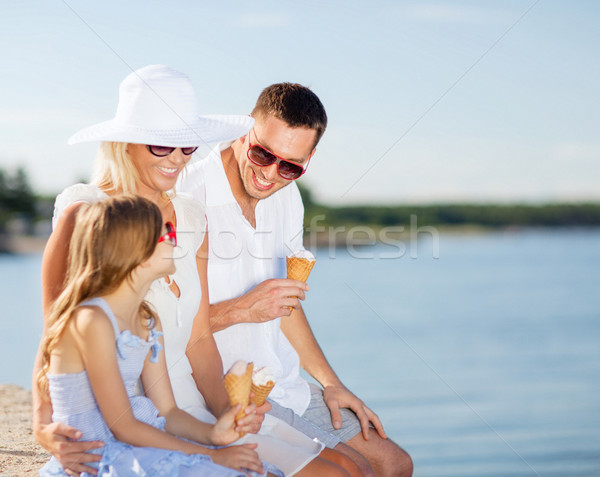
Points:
[(256, 192), (260, 194)]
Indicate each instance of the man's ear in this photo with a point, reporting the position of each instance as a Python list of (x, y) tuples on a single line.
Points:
[(312, 153)]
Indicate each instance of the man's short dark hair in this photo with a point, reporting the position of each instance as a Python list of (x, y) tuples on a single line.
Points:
[(294, 104)]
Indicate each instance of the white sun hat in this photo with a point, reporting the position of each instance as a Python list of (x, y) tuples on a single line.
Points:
[(158, 106)]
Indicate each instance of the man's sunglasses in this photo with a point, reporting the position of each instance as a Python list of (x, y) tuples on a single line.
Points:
[(170, 236), (263, 157), (163, 151)]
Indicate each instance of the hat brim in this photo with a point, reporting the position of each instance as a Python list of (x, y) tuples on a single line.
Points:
[(206, 129)]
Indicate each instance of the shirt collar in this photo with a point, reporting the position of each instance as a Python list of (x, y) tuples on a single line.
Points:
[(218, 190)]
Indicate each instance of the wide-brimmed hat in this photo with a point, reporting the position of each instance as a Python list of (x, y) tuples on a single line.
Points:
[(158, 106)]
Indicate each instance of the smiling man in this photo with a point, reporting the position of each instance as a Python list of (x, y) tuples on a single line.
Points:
[(255, 219)]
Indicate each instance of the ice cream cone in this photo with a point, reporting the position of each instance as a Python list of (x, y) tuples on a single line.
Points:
[(261, 393), (238, 389), (299, 268)]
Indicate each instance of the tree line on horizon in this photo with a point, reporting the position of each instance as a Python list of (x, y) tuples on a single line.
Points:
[(18, 200), (485, 215)]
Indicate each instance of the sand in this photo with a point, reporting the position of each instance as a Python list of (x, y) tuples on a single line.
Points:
[(19, 453)]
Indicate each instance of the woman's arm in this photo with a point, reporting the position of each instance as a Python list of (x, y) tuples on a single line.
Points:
[(54, 261), (57, 438), (204, 357), (202, 351)]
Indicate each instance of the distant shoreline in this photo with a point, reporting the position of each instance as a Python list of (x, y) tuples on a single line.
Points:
[(22, 244), (356, 235), (20, 454)]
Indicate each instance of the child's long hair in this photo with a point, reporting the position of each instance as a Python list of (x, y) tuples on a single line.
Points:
[(110, 239)]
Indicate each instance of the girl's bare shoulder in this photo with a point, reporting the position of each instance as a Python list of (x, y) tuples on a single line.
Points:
[(90, 320)]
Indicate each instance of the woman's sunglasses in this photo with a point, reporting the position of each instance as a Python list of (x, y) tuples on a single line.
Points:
[(263, 157), (170, 236), (162, 151)]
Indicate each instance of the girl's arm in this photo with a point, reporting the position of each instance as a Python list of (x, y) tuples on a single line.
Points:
[(157, 387), (57, 438), (96, 344), (95, 340)]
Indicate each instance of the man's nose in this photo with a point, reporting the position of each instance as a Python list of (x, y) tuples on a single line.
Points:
[(271, 172)]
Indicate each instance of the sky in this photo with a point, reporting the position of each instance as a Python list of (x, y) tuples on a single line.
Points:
[(428, 101)]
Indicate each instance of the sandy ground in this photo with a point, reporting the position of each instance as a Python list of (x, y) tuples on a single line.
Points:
[(19, 453)]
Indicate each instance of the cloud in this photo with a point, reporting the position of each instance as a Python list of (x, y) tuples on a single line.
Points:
[(262, 20)]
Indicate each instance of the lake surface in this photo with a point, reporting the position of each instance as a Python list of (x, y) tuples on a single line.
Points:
[(481, 354)]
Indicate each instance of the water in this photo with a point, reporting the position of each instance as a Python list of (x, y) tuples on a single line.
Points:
[(20, 316), (482, 362)]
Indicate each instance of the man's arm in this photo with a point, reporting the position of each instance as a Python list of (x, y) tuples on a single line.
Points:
[(298, 332), (265, 302)]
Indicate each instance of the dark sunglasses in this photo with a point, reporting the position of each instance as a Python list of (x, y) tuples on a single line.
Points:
[(162, 151), (170, 236), (263, 157)]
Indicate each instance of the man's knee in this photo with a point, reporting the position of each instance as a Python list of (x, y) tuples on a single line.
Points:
[(384, 455), (361, 462), (400, 462)]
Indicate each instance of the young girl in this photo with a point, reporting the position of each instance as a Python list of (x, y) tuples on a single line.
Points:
[(102, 336)]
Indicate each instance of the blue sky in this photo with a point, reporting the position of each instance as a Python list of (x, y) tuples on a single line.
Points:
[(428, 101)]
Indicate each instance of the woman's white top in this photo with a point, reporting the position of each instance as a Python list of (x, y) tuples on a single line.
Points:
[(176, 314)]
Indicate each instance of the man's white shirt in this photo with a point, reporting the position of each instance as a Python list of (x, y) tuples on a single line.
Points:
[(240, 258)]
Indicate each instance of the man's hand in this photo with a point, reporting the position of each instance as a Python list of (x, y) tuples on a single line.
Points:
[(265, 302), (339, 396), (59, 440), (272, 299), (254, 418)]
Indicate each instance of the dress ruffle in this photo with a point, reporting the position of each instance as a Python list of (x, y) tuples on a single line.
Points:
[(124, 460)]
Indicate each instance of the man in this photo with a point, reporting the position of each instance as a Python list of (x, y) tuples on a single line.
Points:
[(255, 218)]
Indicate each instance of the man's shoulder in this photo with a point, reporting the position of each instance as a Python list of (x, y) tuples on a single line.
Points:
[(194, 173), (195, 176)]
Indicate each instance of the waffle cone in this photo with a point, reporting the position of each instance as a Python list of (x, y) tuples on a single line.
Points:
[(261, 393), (238, 389), (299, 268)]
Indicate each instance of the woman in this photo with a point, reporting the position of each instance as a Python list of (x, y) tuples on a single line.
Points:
[(144, 149)]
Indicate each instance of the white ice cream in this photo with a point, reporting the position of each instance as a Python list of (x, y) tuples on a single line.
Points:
[(304, 254), (262, 376), (239, 368)]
